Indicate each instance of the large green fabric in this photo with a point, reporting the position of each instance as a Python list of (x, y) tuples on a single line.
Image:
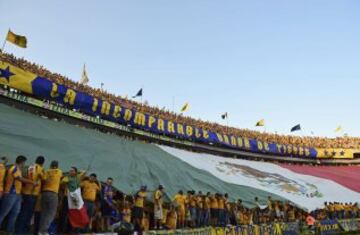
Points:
[(130, 163)]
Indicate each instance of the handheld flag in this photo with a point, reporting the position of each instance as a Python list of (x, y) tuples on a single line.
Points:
[(139, 93), (338, 129), (296, 128), (225, 115), (78, 217), (261, 123), (185, 107), (84, 77), (18, 40)]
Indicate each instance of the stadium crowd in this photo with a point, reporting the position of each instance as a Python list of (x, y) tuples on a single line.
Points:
[(42, 194), (308, 141), (339, 142)]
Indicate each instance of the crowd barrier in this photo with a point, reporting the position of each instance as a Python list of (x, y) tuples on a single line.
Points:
[(325, 227), (43, 88)]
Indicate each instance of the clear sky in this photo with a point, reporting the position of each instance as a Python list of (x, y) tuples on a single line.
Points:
[(288, 62)]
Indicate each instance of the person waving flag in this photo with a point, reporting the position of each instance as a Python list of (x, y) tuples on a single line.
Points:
[(77, 213)]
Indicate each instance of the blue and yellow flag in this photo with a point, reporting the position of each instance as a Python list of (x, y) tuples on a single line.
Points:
[(16, 78), (338, 129), (261, 123), (17, 40)]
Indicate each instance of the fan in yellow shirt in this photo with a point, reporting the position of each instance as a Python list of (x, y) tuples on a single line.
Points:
[(199, 209), (206, 218), (158, 210), (11, 201), (180, 200), (221, 209), (30, 193), (90, 188), (191, 200), (126, 212), (138, 209), (214, 209), (49, 196), (171, 219), (4, 160)]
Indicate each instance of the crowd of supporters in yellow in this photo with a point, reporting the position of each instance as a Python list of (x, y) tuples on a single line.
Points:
[(320, 142), (34, 192)]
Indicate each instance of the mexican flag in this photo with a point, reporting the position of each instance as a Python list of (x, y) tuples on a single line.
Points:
[(307, 186), (77, 212)]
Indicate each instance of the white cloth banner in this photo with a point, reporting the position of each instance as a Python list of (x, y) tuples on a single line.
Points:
[(308, 192), (75, 200)]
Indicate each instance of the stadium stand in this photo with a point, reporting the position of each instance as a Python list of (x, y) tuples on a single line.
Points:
[(158, 187), (132, 163), (339, 142)]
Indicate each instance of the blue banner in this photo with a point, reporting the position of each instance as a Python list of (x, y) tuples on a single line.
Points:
[(328, 227), (44, 88)]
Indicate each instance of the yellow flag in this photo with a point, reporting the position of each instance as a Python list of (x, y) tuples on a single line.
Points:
[(18, 40), (338, 129), (184, 108), (261, 123)]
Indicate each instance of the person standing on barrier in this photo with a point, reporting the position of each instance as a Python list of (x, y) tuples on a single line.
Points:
[(11, 201), (3, 163), (30, 194), (192, 208), (138, 210), (238, 212), (180, 201), (49, 196), (171, 219), (355, 210), (221, 204), (207, 204), (256, 211), (158, 212), (214, 210), (347, 208), (90, 187), (270, 208), (277, 209), (199, 209), (338, 209), (331, 210), (291, 214), (228, 210), (107, 204)]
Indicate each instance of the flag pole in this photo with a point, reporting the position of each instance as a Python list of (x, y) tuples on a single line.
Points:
[(227, 124), (3, 47), (173, 103)]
